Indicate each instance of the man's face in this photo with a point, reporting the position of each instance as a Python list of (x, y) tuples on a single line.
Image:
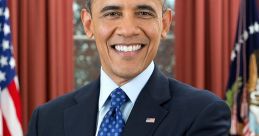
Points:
[(127, 34)]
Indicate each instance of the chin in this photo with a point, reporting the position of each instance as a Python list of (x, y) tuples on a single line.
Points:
[(127, 73)]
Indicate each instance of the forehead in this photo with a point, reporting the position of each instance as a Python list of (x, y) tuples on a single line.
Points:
[(100, 3)]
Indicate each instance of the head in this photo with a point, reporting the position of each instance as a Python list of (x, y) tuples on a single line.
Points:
[(127, 34)]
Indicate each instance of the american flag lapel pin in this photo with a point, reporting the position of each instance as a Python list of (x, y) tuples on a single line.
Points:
[(150, 120)]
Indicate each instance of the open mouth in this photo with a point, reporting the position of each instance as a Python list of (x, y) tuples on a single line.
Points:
[(127, 48)]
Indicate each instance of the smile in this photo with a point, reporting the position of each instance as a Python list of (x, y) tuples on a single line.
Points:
[(127, 48)]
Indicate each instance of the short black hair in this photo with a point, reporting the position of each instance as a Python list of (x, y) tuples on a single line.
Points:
[(88, 5)]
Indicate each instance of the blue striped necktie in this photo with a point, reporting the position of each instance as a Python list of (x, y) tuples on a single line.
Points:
[(113, 123)]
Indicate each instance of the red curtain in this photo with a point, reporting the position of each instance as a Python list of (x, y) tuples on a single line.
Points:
[(42, 33), (204, 34)]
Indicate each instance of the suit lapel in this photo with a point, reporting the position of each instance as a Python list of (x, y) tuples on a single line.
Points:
[(147, 112), (80, 119)]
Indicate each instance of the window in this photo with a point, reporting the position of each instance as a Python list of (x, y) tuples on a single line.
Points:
[(87, 64)]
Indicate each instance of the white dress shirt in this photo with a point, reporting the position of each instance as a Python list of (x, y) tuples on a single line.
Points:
[(132, 89)]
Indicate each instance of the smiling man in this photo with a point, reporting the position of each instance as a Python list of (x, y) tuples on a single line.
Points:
[(131, 97), (127, 34)]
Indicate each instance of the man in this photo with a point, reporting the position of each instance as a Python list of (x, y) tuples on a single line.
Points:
[(131, 97)]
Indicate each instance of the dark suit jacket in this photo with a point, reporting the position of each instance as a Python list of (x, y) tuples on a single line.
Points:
[(178, 109)]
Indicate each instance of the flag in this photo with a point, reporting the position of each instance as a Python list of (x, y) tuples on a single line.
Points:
[(243, 83), (10, 107)]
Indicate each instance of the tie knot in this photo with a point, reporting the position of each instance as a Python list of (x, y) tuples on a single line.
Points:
[(118, 97)]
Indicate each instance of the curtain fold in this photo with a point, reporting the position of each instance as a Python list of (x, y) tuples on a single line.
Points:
[(204, 34), (43, 43)]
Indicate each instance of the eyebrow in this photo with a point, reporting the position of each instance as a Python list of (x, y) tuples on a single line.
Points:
[(145, 7), (139, 7), (111, 7)]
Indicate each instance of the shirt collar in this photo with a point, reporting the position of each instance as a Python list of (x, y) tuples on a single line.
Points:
[(132, 88)]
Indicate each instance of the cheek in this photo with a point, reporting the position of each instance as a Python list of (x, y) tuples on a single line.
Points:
[(152, 29), (102, 33), (154, 33)]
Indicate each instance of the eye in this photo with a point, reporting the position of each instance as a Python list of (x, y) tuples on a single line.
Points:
[(145, 14), (113, 14)]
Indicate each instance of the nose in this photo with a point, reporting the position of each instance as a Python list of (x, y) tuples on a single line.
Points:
[(128, 27)]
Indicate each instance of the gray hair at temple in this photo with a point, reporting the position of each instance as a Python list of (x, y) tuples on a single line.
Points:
[(89, 3)]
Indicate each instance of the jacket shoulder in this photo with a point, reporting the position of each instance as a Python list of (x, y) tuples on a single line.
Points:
[(48, 119), (62, 102), (195, 111), (188, 93)]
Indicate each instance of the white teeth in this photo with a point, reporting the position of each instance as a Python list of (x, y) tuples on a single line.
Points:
[(126, 48)]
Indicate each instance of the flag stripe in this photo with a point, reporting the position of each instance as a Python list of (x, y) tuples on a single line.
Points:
[(1, 120), (16, 99), (6, 130), (16, 83), (9, 114)]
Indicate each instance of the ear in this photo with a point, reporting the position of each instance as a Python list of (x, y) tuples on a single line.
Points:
[(166, 22), (86, 19)]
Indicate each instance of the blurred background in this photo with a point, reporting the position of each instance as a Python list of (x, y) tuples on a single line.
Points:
[(212, 44)]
